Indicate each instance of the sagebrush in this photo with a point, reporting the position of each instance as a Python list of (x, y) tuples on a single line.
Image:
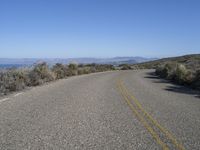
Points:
[(17, 79)]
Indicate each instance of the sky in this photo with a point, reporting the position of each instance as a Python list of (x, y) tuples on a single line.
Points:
[(98, 28)]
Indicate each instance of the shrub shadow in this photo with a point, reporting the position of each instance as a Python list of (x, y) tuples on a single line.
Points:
[(173, 87), (184, 90), (152, 75)]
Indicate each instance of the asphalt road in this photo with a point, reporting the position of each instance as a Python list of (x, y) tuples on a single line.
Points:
[(111, 110)]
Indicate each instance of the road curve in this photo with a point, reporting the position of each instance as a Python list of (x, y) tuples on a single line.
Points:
[(110, 110)]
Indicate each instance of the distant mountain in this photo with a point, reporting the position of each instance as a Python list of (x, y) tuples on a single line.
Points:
[(51, 61)]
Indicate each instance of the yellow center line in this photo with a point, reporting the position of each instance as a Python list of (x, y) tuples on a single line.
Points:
[(154, 122), (143, 121)]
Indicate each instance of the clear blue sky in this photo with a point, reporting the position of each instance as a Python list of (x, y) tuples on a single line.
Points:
[(99, 28)]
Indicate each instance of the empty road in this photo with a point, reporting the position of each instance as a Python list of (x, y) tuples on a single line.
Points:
[(110, 110)]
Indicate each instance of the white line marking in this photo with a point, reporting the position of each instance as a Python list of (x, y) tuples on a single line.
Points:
[(18, 94), (3, 100)]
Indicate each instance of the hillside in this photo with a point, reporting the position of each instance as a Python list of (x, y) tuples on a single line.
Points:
[(189, 61)]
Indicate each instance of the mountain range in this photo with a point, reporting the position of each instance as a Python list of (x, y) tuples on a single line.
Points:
[(52, 61)]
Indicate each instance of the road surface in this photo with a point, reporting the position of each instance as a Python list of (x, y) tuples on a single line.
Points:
[(110, 110)]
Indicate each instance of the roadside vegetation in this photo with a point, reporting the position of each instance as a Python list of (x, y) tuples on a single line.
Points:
[(180, 73), (183, 70), (17, 79), (125, 67)]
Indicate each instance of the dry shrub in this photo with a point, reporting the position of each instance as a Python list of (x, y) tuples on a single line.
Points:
[(60, 71), (72, 70), (13, 80), (41, 74), (180, 74)]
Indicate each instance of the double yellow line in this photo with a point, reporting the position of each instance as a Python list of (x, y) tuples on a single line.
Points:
[(145, 117)]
